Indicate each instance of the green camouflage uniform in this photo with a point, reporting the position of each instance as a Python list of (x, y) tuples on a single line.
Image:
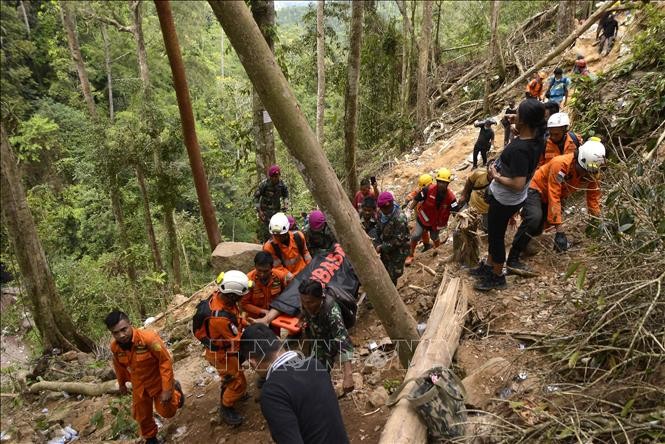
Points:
[(328, 334), (392, 234), (369, 226), (270, 199), (319, 241)]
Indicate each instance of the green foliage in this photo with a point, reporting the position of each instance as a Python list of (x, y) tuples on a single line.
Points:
[(123, 424), (33, 136)]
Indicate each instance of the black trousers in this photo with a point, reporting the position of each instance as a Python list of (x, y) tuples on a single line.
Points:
[(497, 223), (483, 152), (533, 221), (507, 134)]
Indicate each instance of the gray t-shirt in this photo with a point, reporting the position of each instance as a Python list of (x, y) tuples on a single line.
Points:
[(519, 159)]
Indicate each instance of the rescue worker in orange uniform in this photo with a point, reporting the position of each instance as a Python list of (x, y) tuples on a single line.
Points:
[(140, 357), (269, 283), (534, 89), (560, 140), (552, 183), (225, 327), (288, 249), (423, 181), (437, 203)]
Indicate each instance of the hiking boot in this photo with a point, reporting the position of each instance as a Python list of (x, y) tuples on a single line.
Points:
[(517, 265), (153, 440), (481, 270), (244, 397), (426, 247), (178, 388), (491, 282), (230, 416)]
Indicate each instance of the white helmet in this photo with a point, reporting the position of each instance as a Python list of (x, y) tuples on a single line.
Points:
[(557, 120), (279, 224), (591, 155), (235, 282)]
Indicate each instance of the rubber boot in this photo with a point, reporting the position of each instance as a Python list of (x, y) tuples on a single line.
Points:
[(230, 416), (178, 388), (409, 258), (437, 243), (426, 242)]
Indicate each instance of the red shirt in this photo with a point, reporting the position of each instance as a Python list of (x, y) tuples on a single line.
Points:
[(360, 197)]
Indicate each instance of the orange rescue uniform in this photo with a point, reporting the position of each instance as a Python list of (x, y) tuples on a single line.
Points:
[(261, 295), (225, 339), (552, 149), (149, 367), (290, 258), (558, 179)]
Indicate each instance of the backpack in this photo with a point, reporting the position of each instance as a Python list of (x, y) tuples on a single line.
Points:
[(553, 81), (573, 137), (300, 243), (438, 397), (201, 323), (347, 304)]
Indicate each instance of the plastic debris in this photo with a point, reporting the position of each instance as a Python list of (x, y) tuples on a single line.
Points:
[(180, 431), (44, 410), (420, 328), (210, 369), (521, 376), (521, 346), (505, 393), (4, 436)]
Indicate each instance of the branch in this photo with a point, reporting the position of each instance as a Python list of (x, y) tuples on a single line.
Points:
[(82, 388), (111, 21)]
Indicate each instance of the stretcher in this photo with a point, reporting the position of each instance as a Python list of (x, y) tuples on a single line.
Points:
[(289, 323)]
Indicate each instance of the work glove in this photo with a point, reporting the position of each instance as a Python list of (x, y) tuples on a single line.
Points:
[(560, 242)]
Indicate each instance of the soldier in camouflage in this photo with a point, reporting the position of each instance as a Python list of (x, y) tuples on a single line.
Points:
[(392, 240), (272, 196), (368, 217), (325, 330), (319, 236)]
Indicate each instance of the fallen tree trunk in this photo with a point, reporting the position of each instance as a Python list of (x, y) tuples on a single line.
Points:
[(79, 388), (553, 53), (436, 348)]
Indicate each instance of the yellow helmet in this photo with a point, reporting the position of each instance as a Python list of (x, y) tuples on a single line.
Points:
[(424, 180), (444, 175)]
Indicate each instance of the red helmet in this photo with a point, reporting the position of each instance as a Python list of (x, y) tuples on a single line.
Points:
[(274, 169)]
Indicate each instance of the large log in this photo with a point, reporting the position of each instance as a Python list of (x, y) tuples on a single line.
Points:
[(79, 388), (436, 348)]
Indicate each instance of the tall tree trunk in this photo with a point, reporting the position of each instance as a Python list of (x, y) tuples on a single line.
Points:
[(351, 97), (407, 46), (300, 140), (492, 54), (52, 320), (69, 22), (436, 47), (142, 55), (147, 216), (174, 256), (320, 73), (119, 215), (109, 76), (24, 13), (264, 15), (422, 107), (565, 18), (187, 120)]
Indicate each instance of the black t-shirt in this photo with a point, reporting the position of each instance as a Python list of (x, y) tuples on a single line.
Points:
[(485, 136), (300, 405), (520, 158), (610, 27)]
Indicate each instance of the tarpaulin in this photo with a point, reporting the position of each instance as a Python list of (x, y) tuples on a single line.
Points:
[(332, 269)]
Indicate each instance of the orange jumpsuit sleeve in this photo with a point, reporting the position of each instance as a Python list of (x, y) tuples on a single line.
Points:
[(158, 350), (121, 372), (593, 198), (554, 189)]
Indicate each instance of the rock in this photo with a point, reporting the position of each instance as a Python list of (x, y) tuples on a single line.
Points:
[(378, 397), (84, 358), (106, 374), (482, 384), (358, 381), (234, 256), (69, 356)]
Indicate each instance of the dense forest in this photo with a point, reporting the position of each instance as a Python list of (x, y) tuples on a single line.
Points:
[(131, 149), (105, 170)]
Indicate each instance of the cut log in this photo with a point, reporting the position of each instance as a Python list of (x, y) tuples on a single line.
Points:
[(234, 256), (555, 52), (436, 348), (79, 388)]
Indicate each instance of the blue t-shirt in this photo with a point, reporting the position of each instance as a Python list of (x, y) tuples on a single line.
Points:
[(558, 87)]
